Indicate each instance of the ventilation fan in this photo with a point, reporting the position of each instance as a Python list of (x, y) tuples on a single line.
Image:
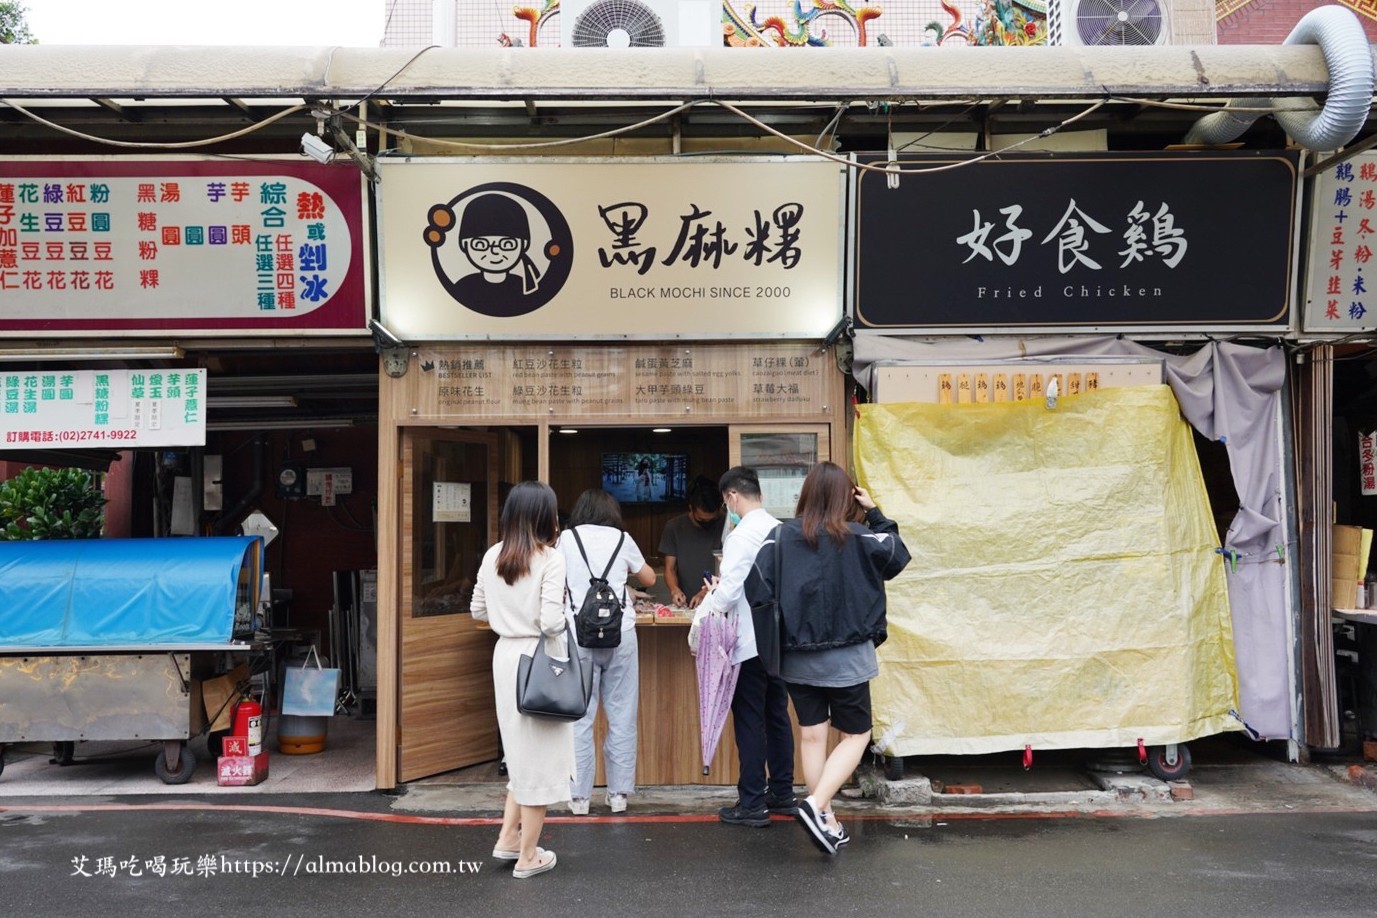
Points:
[(618, 24), (1118, 22), (640, 23)]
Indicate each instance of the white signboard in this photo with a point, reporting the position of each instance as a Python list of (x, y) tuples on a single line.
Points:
[(611, 249), (105, 409), (1341, 277), (452, 502)]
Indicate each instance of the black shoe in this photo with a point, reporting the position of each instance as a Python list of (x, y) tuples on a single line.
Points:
[(736, 816), (783, 806), (817, 829)]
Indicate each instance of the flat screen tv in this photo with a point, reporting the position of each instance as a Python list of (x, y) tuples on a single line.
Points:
[(645, 478)]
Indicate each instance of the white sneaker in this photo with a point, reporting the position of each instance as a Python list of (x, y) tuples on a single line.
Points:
[(579, 806), (617, 802)]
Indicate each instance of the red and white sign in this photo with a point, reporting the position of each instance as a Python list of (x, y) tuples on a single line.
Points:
[(156, 246), (1367, 462), (241, 770)]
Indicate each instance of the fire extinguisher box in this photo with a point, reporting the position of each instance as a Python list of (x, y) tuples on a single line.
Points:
[(241, 770), (234, 745)]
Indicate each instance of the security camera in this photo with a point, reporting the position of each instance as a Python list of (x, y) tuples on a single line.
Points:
[(317, 149)]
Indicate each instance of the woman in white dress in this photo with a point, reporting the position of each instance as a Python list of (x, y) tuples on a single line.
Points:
[(520, 593)]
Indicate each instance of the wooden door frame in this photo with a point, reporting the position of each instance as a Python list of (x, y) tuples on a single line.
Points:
[(395, 467)]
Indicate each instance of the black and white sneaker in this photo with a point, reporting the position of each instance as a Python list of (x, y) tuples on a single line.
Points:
[(817, 829), (839, 835)]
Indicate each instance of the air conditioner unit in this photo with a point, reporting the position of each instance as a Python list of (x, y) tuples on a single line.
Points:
[(640, 23), (1107, 23)]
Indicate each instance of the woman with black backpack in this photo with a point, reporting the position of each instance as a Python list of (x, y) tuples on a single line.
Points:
[(599, 557)]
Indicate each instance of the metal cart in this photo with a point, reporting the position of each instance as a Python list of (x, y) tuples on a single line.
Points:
[(109, 639)]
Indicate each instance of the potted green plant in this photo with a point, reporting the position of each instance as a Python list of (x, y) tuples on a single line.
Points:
[(51, 504)]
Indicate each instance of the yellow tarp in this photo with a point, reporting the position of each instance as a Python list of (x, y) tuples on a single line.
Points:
[(1064, 590)]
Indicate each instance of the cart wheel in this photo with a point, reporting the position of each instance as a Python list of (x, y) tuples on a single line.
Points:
[(63, 751), (894, 768), (186, 764), (1166, 770), (2, 759)]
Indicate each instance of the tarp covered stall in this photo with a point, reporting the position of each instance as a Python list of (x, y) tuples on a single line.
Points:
[(1231, 394), (114, 592), (106, 639), (1065, 589)]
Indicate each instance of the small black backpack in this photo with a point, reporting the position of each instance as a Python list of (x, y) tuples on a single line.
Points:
[(598, 622)]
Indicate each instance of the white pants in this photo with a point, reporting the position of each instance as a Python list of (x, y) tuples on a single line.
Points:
[(617, 682)]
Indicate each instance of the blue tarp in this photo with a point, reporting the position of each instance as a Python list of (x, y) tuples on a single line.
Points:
[(108, 592)]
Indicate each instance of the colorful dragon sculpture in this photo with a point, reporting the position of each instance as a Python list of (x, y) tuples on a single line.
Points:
[(999, 22)]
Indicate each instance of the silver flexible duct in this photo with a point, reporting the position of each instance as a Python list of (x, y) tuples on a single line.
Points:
[(1348, 57)]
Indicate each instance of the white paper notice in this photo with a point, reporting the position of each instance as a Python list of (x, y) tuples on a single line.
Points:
[(452, 502), (780, 495)]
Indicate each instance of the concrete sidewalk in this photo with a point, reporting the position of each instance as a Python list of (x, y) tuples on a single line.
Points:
[(1257, 786), (1230, 774)]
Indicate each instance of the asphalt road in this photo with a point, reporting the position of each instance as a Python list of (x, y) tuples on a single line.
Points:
[(351, 855)]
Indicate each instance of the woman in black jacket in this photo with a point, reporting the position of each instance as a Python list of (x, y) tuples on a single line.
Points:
[(832, 600)]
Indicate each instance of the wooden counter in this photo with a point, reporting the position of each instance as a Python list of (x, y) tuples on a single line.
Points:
[(668, 745), (669, 748)]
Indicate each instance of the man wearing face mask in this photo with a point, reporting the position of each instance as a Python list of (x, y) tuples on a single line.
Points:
[(688, 543), (760, 706)]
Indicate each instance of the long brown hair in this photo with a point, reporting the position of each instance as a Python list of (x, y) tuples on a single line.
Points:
[(827, 501), (529, 521)]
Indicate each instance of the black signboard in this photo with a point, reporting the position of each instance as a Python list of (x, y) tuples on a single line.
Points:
[(1180, 239)]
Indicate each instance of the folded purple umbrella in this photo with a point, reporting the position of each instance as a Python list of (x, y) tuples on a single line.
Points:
[(716, 679)]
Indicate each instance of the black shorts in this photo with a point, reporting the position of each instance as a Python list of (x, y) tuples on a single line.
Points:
[(847, 708)]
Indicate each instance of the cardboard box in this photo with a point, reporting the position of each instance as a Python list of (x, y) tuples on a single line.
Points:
[(218, 695), (241, 770), (1348, 565)]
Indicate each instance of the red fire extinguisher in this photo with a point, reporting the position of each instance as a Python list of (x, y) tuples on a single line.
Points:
[(248, 721)]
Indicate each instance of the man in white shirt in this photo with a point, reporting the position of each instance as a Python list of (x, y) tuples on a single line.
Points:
[(760, 706)]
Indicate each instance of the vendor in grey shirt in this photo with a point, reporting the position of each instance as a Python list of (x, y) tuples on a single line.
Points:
[(688, 543)]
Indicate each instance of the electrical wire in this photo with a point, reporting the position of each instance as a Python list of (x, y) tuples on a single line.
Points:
[(893, 169), (497, 148), (566, 141), (146, 145)]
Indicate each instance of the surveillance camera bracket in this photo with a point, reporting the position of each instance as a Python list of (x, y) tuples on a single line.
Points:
[(328, 120)]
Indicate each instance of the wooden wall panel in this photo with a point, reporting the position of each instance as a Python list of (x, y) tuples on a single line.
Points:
[(448, 705)]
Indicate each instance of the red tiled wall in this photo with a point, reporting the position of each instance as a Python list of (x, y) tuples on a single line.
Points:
[(1268, 22)]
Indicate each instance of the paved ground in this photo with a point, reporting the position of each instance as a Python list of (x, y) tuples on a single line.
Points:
[(1247, 835), (358, 854)]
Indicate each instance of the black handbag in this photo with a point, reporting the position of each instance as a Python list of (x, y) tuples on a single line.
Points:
[(767, 617), (558, 689)]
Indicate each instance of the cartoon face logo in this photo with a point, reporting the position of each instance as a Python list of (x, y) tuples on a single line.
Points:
[(500, 249)]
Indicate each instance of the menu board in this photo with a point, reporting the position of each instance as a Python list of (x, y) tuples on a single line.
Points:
[(110, 409), (765, 380), (1342, 226), (218, 246)]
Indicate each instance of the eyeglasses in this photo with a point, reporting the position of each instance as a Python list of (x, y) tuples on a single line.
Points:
[(501, 243)]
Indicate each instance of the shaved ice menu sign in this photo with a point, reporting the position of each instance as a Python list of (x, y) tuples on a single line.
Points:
[(111, 245)]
